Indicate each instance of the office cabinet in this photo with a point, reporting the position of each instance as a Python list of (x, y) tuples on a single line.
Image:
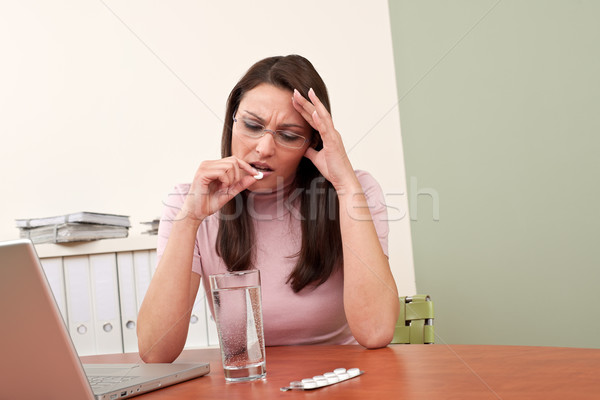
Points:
[(99, 287)]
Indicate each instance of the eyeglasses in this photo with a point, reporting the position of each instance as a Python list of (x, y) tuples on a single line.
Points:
[(254, 130)]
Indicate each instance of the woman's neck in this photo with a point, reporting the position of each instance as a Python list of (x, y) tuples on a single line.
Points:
[(273, 203)]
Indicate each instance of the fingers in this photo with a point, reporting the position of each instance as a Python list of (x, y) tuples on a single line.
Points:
[(223, 171), (227, 171), (318, 123), (215, 183), (304, 107), (241, 185), (313, 111), (311, 154), (247, 167), (322, 115)]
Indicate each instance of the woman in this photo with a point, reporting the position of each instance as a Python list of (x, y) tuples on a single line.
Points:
[(283, 199)]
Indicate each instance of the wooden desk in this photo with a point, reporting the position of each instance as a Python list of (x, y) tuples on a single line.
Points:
[(402, 372)]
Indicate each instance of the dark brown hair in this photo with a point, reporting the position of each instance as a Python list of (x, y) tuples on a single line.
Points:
[(321, 249)]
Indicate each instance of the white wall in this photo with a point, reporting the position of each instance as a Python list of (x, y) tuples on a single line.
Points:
[(106, 104)]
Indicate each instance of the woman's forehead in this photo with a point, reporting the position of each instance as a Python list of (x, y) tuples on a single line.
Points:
[(266, 97), (266, 101)]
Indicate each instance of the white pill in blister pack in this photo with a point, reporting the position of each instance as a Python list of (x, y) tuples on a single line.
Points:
[(331, 377), (322, 382), (344, 376), (309, 384), (328, 378)]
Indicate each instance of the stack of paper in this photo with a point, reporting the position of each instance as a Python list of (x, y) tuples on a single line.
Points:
[(76, 227), (153, 226)]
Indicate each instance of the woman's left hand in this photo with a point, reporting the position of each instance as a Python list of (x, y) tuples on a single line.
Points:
[(332, 161)]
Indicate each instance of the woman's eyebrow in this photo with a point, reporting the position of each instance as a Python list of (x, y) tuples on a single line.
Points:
[(262, 121), (255, 116), (291, 126)]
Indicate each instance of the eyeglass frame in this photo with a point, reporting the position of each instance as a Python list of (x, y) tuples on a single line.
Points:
[(276, 133)]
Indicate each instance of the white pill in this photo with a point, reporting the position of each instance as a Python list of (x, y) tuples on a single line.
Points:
[(322, 382), (329, 374), (343, 376), (339, 371), (309, 383), (333, 379), (353, 372), (259, 175), (317, 377)]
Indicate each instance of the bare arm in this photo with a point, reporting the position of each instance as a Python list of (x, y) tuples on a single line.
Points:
[(370, 295), (163, 319), (164, 316)]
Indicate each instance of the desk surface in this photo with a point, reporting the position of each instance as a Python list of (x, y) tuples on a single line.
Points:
[(401, 372)]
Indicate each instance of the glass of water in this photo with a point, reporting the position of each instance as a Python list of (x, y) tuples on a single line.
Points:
[(238, 313)]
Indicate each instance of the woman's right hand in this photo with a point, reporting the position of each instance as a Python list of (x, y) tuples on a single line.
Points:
[(215, 183)]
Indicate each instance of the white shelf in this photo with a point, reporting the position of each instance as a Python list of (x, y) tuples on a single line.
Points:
[(133, 243)]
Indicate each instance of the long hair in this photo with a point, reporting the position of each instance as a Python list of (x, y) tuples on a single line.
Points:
[(321, 249)]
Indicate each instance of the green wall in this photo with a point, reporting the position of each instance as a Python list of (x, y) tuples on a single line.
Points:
[(500, 114)]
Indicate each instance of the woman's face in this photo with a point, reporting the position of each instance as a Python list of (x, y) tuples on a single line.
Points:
[(272, 108)]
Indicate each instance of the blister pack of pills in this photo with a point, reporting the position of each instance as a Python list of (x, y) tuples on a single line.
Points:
[(327, 379)]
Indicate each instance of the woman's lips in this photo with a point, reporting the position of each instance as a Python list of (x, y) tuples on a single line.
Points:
[(264, 173), (262, 167)]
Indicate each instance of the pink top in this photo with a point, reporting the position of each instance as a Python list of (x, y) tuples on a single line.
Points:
[(311, 316)]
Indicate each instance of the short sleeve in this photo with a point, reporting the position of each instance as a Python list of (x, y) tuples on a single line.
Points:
[(173, 205), (377, 207)]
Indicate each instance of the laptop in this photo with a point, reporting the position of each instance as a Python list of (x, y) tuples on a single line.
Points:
[(37, 357)]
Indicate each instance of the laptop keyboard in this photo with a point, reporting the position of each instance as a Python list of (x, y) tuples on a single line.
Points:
[(106, 382)]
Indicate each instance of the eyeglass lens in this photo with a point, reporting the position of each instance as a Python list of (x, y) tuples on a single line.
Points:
[(256, 130)]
